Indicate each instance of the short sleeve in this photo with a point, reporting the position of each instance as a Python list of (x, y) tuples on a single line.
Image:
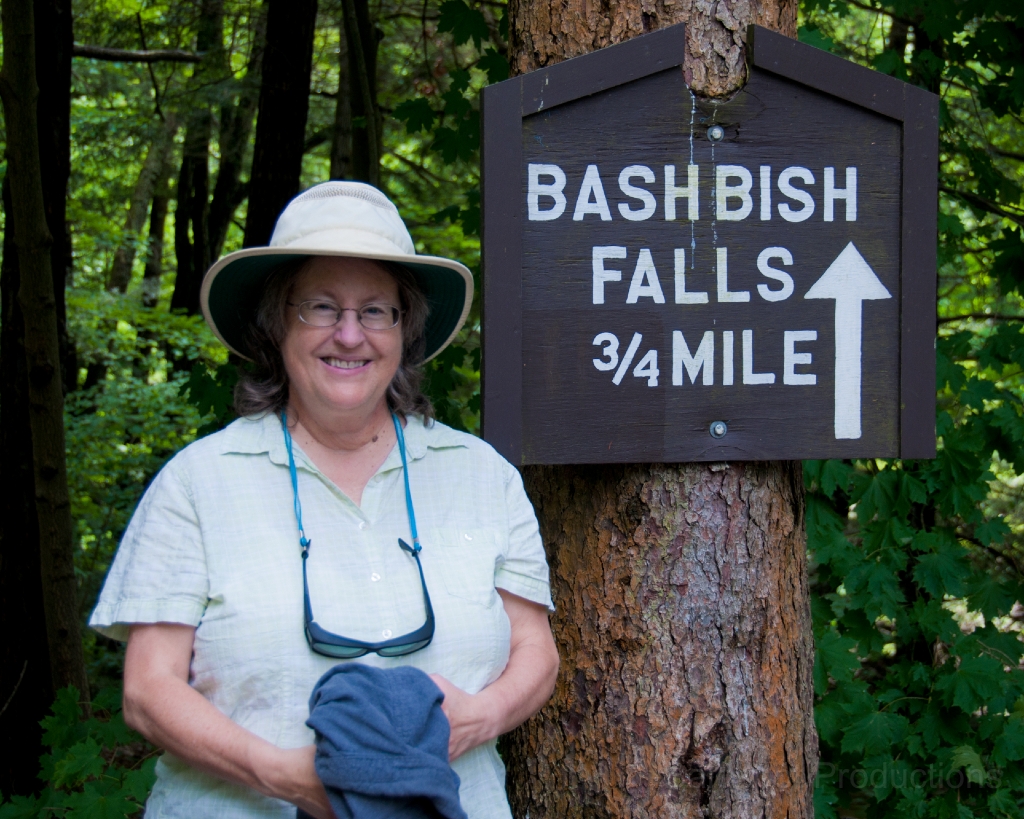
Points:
[(524, 570), (159, 573)]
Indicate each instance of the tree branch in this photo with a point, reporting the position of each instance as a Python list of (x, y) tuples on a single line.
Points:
[(984, 204), (122, 55), (982, 316)]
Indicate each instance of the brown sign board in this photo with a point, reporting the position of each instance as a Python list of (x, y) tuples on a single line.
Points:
[(670, 279)]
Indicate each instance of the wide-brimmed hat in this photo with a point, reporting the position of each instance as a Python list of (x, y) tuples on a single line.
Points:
[(348, 219)]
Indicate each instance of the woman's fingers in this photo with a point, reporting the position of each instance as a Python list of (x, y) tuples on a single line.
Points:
[(468, 724)]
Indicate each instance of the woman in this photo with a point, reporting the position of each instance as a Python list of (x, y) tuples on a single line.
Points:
[(262, 554)]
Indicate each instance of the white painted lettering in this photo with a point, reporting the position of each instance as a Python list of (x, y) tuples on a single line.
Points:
[(648, 368), (645, 280), (724, 192), (782, 276), (749, 376), (611, 351), (645, 196), (682, 297), (600, 274), (847, 194), (627, 359), (535, 190), (722, 274), (797, 194), (689, 192), (791, 358), (766, 193), (703, 359), (727, 358), (592, 189)]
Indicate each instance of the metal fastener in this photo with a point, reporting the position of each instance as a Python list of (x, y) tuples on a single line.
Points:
[(718, 429), (716, 133)]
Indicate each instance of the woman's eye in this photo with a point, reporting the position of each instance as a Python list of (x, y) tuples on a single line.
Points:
[(324, 307), (374, 310)]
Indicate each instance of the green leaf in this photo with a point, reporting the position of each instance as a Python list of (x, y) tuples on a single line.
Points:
[(82, 761), (875, 733), (495, 66), (61, 729), (970, 685), (967, 758), (1003, 803), (814, 37), (945, 571), (416, 114), (95, 803), (837, 655), (140, 782), (464, 23), (1010, 744)]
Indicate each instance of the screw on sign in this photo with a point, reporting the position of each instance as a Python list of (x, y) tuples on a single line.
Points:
[(681, 269)]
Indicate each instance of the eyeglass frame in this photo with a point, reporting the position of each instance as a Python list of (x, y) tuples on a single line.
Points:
[(319, 638), (397, 313)]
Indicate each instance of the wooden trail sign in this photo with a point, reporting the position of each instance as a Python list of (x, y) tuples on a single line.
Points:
[(669, 279)]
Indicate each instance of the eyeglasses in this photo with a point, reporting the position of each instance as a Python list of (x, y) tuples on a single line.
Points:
[(323, 313), (344, 648)]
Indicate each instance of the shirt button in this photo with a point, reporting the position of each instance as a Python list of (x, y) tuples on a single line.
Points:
[(386, 633), (374, 577), (362, 525), (467, 537)]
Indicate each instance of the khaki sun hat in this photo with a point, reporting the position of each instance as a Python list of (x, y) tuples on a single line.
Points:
[(348, 219)]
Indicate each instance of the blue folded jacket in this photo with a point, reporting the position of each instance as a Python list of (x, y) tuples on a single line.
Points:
[(382, 744)]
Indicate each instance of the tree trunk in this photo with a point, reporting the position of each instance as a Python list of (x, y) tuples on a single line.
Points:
[(683, 615), (192, 247), (153, 169), (155, 247), (281, 124), (32, 238), (341, 135), (235, 129), (362, 40)]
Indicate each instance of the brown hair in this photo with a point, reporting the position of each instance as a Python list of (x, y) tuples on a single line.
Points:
[(263, 387)]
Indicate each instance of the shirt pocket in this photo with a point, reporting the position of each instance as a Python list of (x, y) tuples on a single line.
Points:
[(467, 559)]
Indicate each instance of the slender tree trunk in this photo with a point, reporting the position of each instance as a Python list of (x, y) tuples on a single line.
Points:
[(27, 221), (281, 124), (155, 246), (362, 40), (235, 129), (192, 211), (683, 616), (341, 135), (120, 273)]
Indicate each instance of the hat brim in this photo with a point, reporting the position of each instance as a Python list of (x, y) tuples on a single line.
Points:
[(232, 289)]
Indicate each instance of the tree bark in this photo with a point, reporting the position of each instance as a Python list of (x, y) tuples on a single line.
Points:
[(341, 135), (362, 40), (281, 123), (192, 211), (120, 273), (236, 121), (153, 273), (683, 616), (32, 238)]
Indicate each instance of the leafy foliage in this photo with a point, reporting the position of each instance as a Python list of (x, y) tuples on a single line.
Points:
[(916, 569), (95, 768)]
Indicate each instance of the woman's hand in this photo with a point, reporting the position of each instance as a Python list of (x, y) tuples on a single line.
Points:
[(161, 705), (467, 719), (519, 693), (298, 783)]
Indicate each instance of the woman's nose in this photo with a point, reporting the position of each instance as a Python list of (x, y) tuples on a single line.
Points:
[(348, 330)]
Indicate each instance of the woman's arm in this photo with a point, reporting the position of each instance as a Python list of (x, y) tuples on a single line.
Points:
[(520, 692), (161, 705)]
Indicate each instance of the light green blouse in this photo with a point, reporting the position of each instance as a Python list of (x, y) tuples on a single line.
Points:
[(213, 544)]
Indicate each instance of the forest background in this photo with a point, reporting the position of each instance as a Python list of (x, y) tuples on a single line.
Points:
[(917, 567)]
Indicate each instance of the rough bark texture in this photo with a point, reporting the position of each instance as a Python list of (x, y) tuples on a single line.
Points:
[(362, 39), (155, 248), (683, 616), (341, 136), (120, 273), (28, 223), (684, 630), (543, 32), (281, 123)]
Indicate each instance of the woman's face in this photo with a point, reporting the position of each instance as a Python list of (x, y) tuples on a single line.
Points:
[(345, 368)]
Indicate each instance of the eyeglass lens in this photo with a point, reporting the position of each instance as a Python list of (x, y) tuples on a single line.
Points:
[(327, 314)]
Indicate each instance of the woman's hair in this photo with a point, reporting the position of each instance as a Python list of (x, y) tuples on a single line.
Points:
[(263, 387)]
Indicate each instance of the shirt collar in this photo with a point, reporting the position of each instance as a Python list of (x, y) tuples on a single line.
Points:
[(256, 435)]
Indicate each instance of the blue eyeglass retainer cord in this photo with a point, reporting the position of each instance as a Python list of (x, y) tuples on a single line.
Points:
[(304, 542)]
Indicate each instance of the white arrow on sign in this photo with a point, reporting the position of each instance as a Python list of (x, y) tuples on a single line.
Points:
[(850, 281)]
